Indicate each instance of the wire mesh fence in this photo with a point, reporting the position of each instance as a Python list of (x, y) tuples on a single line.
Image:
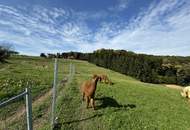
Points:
[(10, 120), (9, 123), (15, 115), (56, 87)]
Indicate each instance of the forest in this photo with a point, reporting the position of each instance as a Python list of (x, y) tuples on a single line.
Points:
[(147, 68)]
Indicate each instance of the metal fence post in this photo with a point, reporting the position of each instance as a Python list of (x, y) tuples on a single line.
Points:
[(29, 109), (70, 69), (70, 72), (73, 69), (63, 71), (54, 94)]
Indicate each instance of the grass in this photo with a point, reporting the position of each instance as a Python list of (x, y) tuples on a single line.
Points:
[(127, 105), (20, 72)]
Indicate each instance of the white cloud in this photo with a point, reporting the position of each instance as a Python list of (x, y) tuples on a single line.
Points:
[(122, 5), (162, 29), (39, 30)]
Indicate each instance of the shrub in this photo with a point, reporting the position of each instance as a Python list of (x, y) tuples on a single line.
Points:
[(4, 53), (43, 55)]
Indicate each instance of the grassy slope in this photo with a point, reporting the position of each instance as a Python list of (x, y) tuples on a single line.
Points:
[(27, 69), (128, 104), (14, 76)]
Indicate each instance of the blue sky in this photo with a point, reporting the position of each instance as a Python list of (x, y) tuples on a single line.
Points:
[(159, 27)]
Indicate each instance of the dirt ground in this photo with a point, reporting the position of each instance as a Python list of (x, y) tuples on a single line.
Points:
[(173, 86)]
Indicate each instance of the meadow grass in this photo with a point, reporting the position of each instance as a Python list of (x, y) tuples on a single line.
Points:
[(20, 72), (128, 104)]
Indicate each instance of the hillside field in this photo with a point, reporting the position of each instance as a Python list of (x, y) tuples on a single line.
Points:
[(128, 104)]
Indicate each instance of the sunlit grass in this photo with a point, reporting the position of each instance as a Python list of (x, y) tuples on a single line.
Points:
[(128, 104)]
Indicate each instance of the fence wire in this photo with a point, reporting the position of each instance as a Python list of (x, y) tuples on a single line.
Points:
[(13, 114), (56, 91), (14, 119)]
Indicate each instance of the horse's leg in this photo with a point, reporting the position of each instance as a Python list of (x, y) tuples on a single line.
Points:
[(92, 103), (188, 94), (87, 101), (83, 96), (107, 80)]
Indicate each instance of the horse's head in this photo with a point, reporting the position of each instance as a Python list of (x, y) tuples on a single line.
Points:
[(96, 77)]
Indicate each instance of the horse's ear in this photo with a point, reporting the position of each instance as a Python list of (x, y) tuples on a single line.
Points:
[(94, 76)]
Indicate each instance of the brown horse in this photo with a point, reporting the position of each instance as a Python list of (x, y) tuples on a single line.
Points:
[(104, 79), (88, 89)]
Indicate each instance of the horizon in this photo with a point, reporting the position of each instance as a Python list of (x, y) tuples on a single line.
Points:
[(100, 49), (153, 27)]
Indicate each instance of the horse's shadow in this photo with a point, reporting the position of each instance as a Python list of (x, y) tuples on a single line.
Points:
[(59, 125), (106, 102)]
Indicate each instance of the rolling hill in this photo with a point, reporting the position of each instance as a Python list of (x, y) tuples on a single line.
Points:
[(127, 104)]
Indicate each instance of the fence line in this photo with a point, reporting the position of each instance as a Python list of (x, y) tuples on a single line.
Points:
[(71, 71), (54, 94), (29, 109), (55, 86), (27, 94), (4, 103)]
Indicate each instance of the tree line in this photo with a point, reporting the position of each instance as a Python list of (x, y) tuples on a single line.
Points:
[(5, 52), (147, 68)]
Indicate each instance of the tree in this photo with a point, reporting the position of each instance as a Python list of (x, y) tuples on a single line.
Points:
[(43, 55), (147, 68), (5, 51)]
